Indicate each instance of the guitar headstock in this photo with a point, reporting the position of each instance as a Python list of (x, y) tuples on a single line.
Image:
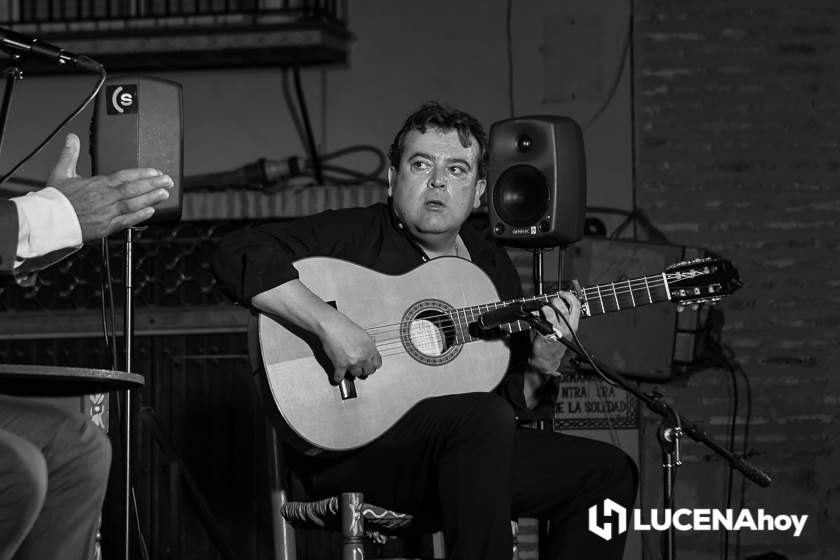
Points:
[(705, 280)]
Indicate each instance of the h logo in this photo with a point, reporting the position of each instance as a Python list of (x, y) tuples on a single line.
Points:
[(605, 531)]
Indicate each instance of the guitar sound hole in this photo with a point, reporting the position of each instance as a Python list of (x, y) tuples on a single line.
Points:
[(431, 333)]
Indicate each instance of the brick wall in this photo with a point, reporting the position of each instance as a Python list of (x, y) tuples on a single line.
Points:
[(736, 115), (737, 126)]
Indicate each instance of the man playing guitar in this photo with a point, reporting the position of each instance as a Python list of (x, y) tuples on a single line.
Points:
[(459, 457)]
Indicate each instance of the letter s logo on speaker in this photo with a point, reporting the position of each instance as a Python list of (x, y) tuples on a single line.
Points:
[(122, 99)]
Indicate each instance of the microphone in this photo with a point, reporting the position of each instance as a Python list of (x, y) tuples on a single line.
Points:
[(250, 176), (508, 314), (24, 43)]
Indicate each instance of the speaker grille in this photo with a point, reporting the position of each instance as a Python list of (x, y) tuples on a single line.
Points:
[(522, 195)]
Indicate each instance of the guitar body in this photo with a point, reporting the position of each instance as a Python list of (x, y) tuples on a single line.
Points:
[(407, 317), (421, 323)]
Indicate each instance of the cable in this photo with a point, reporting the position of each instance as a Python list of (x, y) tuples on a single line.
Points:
[(111, 307), (508, 18), (338, 175), (104, 281), (617, 75), (734, 367), (722, 355), (144, 549), (731, 470), (310, 138), (293, 111), (578, 347), (745, 451), (74, 114)]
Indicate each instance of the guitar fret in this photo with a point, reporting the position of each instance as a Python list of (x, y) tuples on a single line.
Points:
[(638, 291), (595, 300), (600, 299), (419, 338), (463, 328), (667, 289)]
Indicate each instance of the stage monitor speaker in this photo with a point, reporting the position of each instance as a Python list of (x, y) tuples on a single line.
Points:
[(137, 122), (652, 341), (536, 181)]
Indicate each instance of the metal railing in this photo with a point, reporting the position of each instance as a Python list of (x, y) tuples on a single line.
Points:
[(47, 11)]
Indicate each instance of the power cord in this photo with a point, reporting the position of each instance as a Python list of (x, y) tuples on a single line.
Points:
[(71, 116), (314, 165)]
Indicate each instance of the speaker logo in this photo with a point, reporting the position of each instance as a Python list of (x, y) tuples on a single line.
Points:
[(122, 100)]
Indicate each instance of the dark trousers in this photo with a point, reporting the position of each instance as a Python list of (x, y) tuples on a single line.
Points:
[(462, 458), (54, 467)]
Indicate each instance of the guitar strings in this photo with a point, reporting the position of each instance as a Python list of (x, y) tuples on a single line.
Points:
[(447, 324), (608, 293)]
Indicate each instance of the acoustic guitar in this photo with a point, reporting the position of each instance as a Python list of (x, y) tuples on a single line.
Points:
[(424, 324)]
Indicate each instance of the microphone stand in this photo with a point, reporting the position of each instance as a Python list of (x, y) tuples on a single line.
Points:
[(672, 429), (669, 441)]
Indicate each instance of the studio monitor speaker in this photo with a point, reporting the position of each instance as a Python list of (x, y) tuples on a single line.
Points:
[(137, 122), (536, 181)]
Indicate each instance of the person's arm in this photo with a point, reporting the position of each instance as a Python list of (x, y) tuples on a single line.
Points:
[(48, 230), (256, 267), (49, 224), (530, 385), (256, 259), (547, 354), (8, 235), (346, 344)]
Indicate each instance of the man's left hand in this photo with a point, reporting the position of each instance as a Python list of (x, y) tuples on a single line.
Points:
[(546, 351)]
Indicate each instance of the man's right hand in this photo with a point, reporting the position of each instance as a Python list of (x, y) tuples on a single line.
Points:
[(349, 347), (107, 204)]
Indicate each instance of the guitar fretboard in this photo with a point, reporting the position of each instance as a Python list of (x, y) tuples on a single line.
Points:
[(599, 299)]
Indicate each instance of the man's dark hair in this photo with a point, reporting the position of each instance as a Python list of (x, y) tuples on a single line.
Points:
[(436, 116)]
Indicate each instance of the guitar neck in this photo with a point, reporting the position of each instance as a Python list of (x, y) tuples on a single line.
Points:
[(598, 299)]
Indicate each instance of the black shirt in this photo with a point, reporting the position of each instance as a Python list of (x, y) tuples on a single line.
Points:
[(258, 259)]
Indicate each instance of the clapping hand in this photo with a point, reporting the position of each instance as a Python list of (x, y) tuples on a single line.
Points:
[(105, 204)]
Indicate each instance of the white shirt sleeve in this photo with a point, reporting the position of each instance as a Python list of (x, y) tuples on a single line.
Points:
[(48, 229)]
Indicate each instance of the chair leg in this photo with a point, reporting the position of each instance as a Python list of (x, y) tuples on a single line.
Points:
[(514, 530), (285, 546), (352, 526), (438, 546)]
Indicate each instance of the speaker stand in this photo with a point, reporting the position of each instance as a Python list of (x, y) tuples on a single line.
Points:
[(541, 424), (126, 426)]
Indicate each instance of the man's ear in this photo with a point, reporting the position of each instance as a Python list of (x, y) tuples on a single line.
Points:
[(391, 172), (480, 187)]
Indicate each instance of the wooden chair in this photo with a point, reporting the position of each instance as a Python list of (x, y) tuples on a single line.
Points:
[(348, 513)]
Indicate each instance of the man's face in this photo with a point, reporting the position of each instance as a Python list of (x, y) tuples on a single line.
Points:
[(435, 187)]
